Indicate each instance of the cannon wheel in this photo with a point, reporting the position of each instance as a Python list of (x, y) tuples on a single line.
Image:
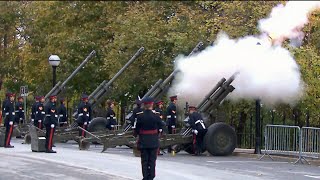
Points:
[(221, 139), (27, 139), (97, 124)]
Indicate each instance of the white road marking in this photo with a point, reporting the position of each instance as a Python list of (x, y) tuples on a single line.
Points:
[(316, 177), (217, 162)]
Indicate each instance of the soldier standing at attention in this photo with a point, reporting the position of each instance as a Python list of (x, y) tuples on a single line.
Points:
[(136, 110), (3, 106), (198, 128), (50, 122), (19, 112), (83, 115), (34, 109), (147, 128), (62, 113), (9, 119), (111, 115), (172, 117), (85, 102), (39, 113)]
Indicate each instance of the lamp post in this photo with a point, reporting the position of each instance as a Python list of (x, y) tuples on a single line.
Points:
[(54, 61)]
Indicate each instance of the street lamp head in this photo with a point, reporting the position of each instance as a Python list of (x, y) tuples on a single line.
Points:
[(54, 60)]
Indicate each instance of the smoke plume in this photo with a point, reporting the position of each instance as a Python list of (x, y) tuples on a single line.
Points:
[(266, 69), (286, 22)]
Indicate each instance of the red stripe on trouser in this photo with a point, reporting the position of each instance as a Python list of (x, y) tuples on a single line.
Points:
[(194, 143), (50, 139), (84, 126), (173, 130), (9, 136), (39, 125)]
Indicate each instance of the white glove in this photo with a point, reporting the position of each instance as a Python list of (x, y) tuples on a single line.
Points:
[(85, 123), (112, 126), (11, 122), (32, 120), (20, 119), (39, 121), (52, 125), (195, 132), (160, 130), (173, 127)]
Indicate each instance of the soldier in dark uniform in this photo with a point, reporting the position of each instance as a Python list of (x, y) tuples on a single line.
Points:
[(172, 117), (9, 119), (39, 113), (111, 116), (83, 119), (148, 127), (62, 113), (198, 128), (85, 101), (19, 111), (50, 122), (3, 106), (34, 109), (136, 110), (158, 110)]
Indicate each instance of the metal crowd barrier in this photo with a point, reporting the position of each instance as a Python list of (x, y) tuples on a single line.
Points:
[(283, 140), (310, 142)]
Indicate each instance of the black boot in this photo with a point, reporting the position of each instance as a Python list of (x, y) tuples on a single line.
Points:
[(9, 146), (50, 151)]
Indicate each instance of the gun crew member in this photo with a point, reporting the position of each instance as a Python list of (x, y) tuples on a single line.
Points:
[(39, 113), (172, 117), (19, 112), (83, 115), (34, 109), (62, 113), (50, 122), (198, 128), (9, 119), (111, 116), (147, 128), (137, 109)]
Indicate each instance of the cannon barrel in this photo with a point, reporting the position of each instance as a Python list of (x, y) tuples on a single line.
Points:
[(59, 86), (101, 91), (220, 92), (154, 87), (156, 93)]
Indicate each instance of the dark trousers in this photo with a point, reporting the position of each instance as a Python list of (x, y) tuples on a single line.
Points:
[(148, 163), (171, 131), (8, 135), (38, 124), (198, 141), (82, 133), (49, 136)]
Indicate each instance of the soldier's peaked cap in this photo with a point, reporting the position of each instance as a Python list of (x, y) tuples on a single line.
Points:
[(53, 96), (20, 97), (84, 96), (173, 97), (148, 100), (192, 107), (11, 94), (159, 102)]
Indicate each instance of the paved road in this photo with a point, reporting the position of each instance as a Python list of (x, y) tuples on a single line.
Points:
[(119, 163)]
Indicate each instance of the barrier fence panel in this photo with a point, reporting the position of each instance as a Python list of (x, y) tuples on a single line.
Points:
[(282, 140), (310, 142)]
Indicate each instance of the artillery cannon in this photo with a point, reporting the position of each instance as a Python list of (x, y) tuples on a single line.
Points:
[(24, 130), (219, 140)]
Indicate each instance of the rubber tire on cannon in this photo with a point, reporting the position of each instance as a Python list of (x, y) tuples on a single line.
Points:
[(97, 124), (220, 140)]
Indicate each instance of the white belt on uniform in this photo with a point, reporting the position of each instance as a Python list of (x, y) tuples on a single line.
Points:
[(201, 122)]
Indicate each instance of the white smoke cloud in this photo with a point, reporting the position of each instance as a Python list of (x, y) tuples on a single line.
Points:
[(286, 22), (267, 72)]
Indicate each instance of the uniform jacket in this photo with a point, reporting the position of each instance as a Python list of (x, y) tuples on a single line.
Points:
[(34, 109), (171, 114), (39, 112), (51, 118), (147, 127), (196, 121), (133, 118), (83, 113), (9, 111), (111, 118), (19, 112), (89, 108), (62, 113)]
